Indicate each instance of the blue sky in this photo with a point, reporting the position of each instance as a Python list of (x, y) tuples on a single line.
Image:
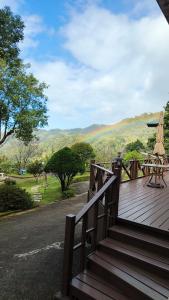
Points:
[(103, 60)]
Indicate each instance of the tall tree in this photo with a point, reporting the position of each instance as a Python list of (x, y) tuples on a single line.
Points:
[(11, 33), (22, 103), (23, 154)]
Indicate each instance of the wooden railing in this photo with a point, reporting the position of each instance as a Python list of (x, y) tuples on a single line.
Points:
[(133, 169), (99, 213)]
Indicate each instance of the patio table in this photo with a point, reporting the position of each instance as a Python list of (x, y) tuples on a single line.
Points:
[(157, 174)]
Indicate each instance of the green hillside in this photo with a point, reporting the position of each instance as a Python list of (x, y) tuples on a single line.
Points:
[(107, 140)]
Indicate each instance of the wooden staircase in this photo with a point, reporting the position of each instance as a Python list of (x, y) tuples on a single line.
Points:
[(131, 263)]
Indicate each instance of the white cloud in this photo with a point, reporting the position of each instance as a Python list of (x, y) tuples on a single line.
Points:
[(13, 4), (33, 26), (143, 7), (122, 68)]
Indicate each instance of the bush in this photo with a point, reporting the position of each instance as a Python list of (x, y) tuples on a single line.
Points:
[(65, 164), (14, 198), (9, 181), (68, 194), (133, 155)]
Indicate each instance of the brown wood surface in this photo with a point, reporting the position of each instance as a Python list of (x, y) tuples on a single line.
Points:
[(145, 205)]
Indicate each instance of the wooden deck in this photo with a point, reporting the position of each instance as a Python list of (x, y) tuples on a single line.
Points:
[(145, 205)]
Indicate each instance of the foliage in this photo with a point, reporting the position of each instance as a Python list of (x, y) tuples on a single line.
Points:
[(5, 165), (81, 177), (22, 103), (137, 145), (151, 142), (68, 194), (65, 164), (9, 181), (14, 198), (106, 144), (133, 155), (11, 33), (36, 168), (24, 153), (84, 150)]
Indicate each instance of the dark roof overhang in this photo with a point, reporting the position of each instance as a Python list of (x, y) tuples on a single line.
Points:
[(164, 5)]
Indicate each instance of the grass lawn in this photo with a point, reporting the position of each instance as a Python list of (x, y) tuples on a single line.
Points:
[(49, 194)]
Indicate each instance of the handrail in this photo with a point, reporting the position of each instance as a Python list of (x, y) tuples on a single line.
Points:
[(91, 203), (103, 169), (99, 213)]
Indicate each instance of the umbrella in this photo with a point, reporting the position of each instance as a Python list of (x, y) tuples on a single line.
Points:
[(159, 146)]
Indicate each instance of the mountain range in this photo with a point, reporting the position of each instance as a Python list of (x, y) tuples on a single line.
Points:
[(106, 140)]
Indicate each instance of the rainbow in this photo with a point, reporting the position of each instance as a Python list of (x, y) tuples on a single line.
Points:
[(106, 130)]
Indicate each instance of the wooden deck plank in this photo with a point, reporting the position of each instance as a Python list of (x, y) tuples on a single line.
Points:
[(145, 205), (141, 202), (148, 210), (141, 208)]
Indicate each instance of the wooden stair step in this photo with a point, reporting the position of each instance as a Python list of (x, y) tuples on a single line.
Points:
[(82, 291), (133, 287), (155, 242), (98, 285), (140, 256), (147, 277)]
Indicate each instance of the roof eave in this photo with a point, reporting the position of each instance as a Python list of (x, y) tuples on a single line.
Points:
[(164, 6)]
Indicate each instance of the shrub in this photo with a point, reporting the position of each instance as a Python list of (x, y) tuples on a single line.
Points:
[(9, 181), (14, 198), (68, 194), (133, 155), (65, 164)]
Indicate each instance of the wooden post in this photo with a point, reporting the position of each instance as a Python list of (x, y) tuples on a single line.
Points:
[(133, 169), (105, 220), (117, 163), (115, 191), (82, 251), (92, 177), (99, 179), (95, 225), (68, 252)]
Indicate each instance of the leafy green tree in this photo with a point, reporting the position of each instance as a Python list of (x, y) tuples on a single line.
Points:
[(151, 142), (5, 165), (11, 33), (84, 151), (65, 164), (24, 154), (137, 145), (22, 103), (133, 155), (36, 169)]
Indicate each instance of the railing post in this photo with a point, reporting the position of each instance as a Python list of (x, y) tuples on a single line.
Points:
[(115, 190), (68, 252), (83, 241), (92, 177), (133, 169), (117, 163)]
